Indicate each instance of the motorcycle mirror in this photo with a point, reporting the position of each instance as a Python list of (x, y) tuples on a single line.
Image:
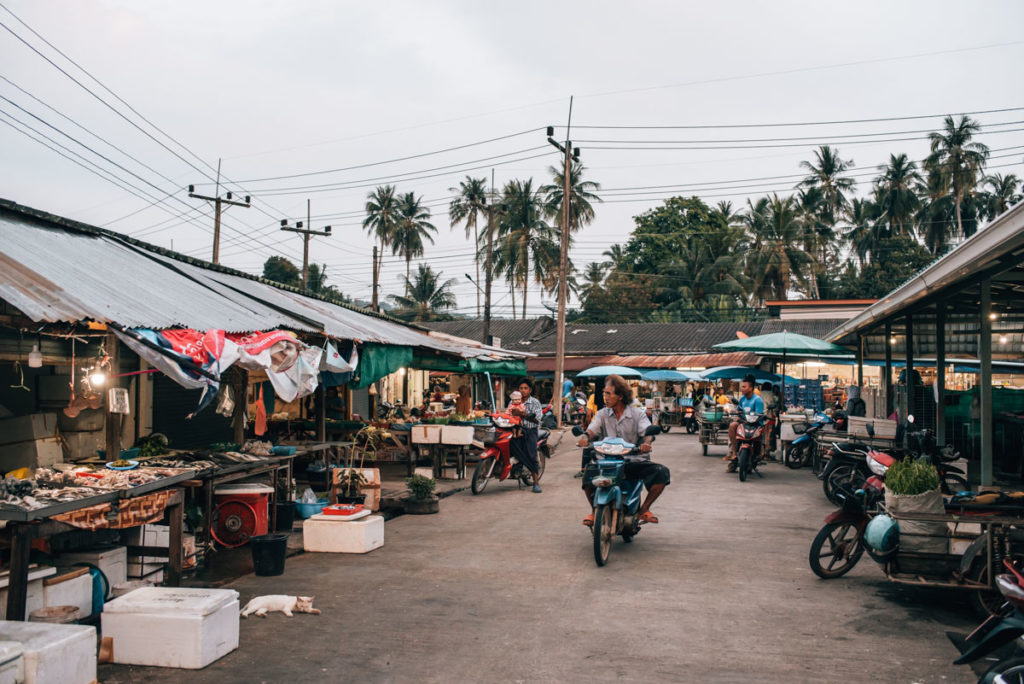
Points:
[(870, 427), (577, 430), (910, 418)]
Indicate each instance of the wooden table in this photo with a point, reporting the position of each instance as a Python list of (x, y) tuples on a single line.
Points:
[(21, 532)]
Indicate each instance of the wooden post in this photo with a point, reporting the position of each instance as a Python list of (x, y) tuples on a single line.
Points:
[(175, 519), (860, 362), (321, 411), (940, 374), (985, 381), (113, 420), (241, 410), (908, 342), (17, 589), (888, 370)]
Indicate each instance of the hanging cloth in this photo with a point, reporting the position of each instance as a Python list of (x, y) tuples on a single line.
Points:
[(261, 415)]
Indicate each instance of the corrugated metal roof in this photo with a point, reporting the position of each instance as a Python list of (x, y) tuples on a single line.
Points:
[(684, 360), (812, 327), (643, 338)]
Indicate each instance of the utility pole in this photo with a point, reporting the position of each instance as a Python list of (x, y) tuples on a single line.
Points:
[(570, 155), (373, 300), (306, 233), (218, 203), (492, 208)]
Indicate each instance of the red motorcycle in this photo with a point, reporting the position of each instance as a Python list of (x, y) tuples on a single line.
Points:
[(496, 460), (750, 444)]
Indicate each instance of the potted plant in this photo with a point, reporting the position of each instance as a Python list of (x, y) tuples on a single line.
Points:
[(421, 497), (912, 487), (349, 481)]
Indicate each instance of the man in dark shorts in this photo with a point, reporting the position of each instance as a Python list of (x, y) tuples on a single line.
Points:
[(619, 419)]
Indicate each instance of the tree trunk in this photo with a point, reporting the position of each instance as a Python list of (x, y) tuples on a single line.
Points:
[(959, 222), (408, 266), (512, 291), (526, 286), (373, 297)]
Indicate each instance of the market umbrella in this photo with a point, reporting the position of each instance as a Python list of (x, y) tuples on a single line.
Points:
[(739, 372), (783, 343), (669, 376), (602, 371)]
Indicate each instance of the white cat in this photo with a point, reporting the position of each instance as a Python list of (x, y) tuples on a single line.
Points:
[(261, 605)]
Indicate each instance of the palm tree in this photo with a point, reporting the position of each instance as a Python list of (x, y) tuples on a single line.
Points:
[(896, 194), (380, 221), (524, 240), (936, 218), (863, 234), (779, 261), (959, 160), (593, 280), (1002, 195), (616, 257), (412, 227), (829, 188), (426, 295), (469, 205), (581, 198)]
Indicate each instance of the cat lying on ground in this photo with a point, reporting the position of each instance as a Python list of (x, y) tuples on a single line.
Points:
[(261, 605)]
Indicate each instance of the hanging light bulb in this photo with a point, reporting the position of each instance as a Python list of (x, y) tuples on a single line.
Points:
[(35, 357), (98, 378), (1003, 339)]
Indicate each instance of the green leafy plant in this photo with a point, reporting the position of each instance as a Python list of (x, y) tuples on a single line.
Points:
[(911, 476), (349, 481), (421, 487)]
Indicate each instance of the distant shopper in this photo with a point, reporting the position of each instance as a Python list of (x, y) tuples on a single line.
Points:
[(855, 406)]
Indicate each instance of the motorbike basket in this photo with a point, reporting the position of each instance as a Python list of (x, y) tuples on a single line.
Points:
[(800, 428), (485, 433)]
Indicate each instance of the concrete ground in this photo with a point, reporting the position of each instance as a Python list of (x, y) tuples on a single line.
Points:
[(502, 587)]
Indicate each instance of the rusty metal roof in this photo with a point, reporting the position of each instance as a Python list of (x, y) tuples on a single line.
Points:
[(684, 360)]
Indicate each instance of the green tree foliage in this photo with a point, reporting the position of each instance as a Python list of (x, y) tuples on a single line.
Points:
[(280, 270), (426, 298), (412, 227)]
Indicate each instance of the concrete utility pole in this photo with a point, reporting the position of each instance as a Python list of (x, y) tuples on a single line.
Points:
[(492, 209), (306, 233), (218, 204), (373, 299), (569, 155)]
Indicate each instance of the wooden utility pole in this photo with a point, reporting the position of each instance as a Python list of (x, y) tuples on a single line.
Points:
[(492, 207), (218, 207), (306, 233), (563, 267), (373, 299)]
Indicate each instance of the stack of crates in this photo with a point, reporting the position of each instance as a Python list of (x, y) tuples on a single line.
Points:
[(806, 393)]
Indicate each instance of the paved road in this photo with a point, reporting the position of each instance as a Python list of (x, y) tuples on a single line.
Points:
[(503, 588)]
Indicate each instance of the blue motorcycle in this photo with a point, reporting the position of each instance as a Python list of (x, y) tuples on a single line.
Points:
[(802, 450), (616, 499)]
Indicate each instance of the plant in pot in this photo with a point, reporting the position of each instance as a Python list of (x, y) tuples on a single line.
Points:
[(349, 481), (421, 497), (912, 487)]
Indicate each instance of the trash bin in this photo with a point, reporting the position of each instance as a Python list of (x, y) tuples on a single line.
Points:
[(268, 552), (285, 516)]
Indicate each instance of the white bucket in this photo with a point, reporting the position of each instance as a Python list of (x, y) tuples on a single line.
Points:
[(123, 588), (56, 614)]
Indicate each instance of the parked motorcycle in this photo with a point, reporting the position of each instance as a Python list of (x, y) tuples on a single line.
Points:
[(1000, 630), (616, 500), (750, 438), (840, 542), (802, 450), (496, 460)]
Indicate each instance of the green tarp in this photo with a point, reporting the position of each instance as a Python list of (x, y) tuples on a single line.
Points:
[(511, 367), (379, 360)]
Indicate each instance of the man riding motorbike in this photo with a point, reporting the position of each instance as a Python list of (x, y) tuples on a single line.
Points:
[(749, 402), (619, 419)]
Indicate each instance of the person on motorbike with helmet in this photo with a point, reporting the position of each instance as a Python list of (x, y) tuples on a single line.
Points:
[(620, 419), (748, 403)]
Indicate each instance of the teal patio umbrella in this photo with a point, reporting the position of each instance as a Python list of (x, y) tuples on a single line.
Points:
[(602, 371), (783, 344)]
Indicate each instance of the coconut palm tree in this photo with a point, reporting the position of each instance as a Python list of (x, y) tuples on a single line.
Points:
[(615, 257), (411, 229), (779, 261), (936, 218), (581, 196), (524, 241), (593, 280), (426, 295), (380, 221), (469, 205), (1001, 194), (826, 189), (959, 160), (897, 195), (863, 233)]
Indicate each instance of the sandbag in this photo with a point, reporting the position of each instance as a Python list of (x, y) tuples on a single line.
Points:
[(919, 536)]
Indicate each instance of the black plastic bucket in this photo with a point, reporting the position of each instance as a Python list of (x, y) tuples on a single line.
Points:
[(285, 516), (268, 551)]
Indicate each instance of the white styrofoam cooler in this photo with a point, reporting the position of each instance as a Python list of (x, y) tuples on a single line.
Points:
[(457, 434), (52, 653), (327, 534), (111, 560), (426, 434), (172, 626), (70, 589), (12, 663), (35, 596)]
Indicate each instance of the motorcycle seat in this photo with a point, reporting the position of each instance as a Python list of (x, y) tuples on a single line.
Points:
[(882, 458), (542, 434)]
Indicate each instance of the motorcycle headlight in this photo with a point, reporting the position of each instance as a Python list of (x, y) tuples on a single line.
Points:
[(601, 481), (876, 467)]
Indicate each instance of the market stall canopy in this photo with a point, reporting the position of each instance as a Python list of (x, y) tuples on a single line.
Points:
[(739, 372), (669, 376), (782, 343), (602, 371)]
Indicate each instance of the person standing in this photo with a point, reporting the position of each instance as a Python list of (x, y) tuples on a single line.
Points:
[(524, 446), (464, 402)]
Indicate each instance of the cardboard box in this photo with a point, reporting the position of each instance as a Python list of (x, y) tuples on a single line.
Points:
[(54, 653), (191, 627), (37, 454), (28, 428)]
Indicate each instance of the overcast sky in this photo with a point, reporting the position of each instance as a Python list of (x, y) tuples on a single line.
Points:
[(278, 89)]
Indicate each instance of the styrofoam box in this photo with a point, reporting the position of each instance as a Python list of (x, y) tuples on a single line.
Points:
[(54, 654), (28, 428), (40, 453), (154, 572), (111, 560), (70, 589), (12, 663), (148, 535), (426, 434), (172, 626), (326, 534), (457, 434), (34, 599)]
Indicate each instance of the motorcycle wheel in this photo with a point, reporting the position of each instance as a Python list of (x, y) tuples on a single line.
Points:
[(840, 546), (1010, 669), (846, 475), (602, 534), (986, 602), (796, 456), (481, 474), (526, 478), (743, 463), (691, 427), (953, 483)]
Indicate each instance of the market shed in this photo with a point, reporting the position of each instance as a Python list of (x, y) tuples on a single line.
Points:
[(969, 305)]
